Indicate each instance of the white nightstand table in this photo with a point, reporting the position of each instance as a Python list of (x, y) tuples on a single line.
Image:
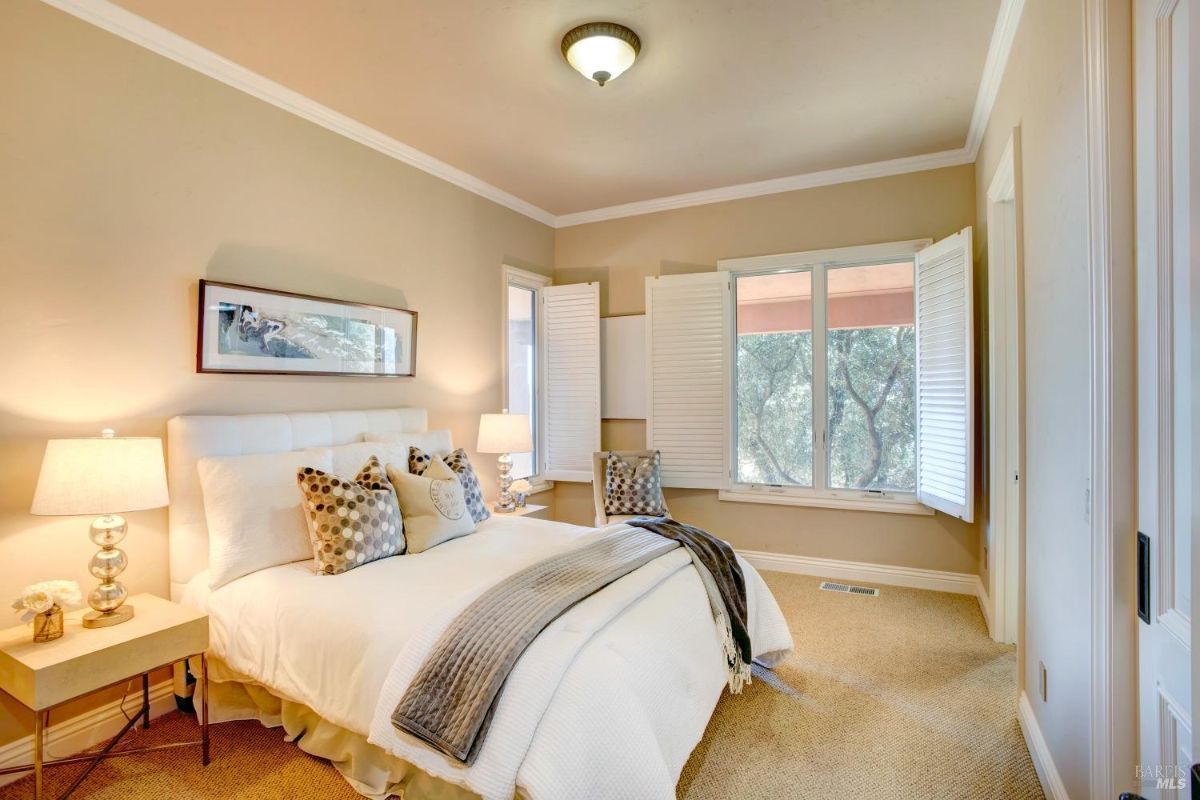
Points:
[(44, 676), (527, 510)]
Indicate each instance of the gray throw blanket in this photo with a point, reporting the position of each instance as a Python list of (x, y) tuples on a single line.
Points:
[(718, 567), (450, 701)]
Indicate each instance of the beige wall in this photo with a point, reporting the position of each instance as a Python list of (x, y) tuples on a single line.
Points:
[(126, 178), (1043, 93), (622, 253)]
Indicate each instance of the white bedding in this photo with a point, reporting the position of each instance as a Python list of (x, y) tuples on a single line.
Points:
[(608, 702)]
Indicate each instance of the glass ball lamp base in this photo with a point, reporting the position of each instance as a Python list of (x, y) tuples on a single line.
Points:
[(107, 599), (103, 619)]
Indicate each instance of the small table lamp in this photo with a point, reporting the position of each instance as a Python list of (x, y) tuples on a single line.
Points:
[(102, 476), (504, 434)]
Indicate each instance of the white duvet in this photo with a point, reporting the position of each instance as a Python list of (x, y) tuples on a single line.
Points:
[(607, 703)]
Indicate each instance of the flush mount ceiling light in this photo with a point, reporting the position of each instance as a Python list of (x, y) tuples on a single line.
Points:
[(601, 50)]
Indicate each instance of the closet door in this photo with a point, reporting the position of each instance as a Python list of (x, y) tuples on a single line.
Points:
[(570, 367)]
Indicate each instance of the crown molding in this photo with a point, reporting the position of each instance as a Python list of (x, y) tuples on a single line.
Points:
[(142, 32), (1007, 20), (810, 180), (157, 39)]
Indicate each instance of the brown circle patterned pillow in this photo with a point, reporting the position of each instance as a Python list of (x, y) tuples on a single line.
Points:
[(633, 488), (351, 522)]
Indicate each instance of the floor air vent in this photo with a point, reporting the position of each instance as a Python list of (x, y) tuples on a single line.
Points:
[(846, 588)]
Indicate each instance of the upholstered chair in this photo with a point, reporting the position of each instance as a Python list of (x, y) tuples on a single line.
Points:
[(599, 464)]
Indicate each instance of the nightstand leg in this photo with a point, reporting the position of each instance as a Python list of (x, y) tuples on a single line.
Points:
[(39, 731), (145, 700), (204, 705)]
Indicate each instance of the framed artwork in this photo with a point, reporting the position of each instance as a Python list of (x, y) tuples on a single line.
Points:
[(264, 331)]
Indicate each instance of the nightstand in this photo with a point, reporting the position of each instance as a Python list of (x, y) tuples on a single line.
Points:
[(44, 676), (527, 510)]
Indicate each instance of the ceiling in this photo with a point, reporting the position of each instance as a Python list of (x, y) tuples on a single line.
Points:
[(724, 92)]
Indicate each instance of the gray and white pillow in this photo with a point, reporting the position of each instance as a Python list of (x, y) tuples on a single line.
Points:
[(633, 488), (457, 461)]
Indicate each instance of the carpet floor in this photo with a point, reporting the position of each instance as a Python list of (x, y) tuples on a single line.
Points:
[(897, 696)]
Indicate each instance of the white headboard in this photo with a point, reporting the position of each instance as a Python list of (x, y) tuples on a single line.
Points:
[(191, 438)]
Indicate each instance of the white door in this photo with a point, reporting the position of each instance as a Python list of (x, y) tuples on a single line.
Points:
[(1166, 439)]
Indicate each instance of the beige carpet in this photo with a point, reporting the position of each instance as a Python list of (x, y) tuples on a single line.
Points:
[(898, 696)]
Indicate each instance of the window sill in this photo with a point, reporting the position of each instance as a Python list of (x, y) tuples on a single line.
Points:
[(540, 486), (809, 500)]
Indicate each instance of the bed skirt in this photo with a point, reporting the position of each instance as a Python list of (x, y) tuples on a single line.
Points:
[(368, 769)]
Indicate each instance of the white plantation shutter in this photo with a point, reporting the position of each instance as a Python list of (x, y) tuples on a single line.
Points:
[(687, 382), (945, 377), (570, 335)]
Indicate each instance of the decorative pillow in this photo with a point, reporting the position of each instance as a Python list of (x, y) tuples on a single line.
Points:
[(253, 512), (436, 441), (460, 465), (433, 504), (351, 522), (633, 488)]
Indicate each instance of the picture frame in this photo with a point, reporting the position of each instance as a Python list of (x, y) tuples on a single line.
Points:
[(258, 331)]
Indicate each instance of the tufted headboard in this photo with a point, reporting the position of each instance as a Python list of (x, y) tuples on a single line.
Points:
[(191, 438)]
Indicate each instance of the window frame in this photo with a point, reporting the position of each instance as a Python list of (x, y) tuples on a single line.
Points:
[(531, 281), (820, 494)]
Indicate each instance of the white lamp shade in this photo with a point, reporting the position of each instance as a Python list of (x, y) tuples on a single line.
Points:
[(504, 433), (101, 476)]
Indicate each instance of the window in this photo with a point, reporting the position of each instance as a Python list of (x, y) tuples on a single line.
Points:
[(845, 379), (868, 436), (521, 354), (774, 378)]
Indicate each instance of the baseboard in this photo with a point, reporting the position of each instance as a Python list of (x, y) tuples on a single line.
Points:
[(985, 605), (912, 577), (1039, 751), (76, 734)]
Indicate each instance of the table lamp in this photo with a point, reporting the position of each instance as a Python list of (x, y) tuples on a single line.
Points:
[(103, 476), (504, 434)]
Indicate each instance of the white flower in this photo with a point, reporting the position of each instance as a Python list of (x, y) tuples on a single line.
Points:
[(38, 598), (521, 486)]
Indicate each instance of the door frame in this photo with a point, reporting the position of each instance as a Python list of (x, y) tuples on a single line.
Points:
[(1111, 490), (1006, 397)]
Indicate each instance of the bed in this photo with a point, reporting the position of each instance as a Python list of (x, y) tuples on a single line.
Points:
[(608, 701)]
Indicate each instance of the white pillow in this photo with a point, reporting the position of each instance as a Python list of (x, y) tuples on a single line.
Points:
[(254, 511), (436, 442), (349, 458), (433, 505)]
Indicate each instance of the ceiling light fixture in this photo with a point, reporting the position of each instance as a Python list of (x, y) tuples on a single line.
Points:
[(601, 51)]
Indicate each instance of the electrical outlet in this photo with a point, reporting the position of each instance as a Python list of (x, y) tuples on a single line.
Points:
[(1042, 681)]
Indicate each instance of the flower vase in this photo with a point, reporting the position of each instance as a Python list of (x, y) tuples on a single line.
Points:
[(48, 625)]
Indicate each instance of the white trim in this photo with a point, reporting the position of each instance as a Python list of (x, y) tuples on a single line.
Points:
[(1110, 512), (911, 577), (999, 49), (87, 730), (807, 258), (985, 605), (1004, 372), (142, 32), (812, 499), (741, 191), (157, 39), (1039, 751)]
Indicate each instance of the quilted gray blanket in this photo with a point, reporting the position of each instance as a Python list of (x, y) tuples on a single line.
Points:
[(450, 700)]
